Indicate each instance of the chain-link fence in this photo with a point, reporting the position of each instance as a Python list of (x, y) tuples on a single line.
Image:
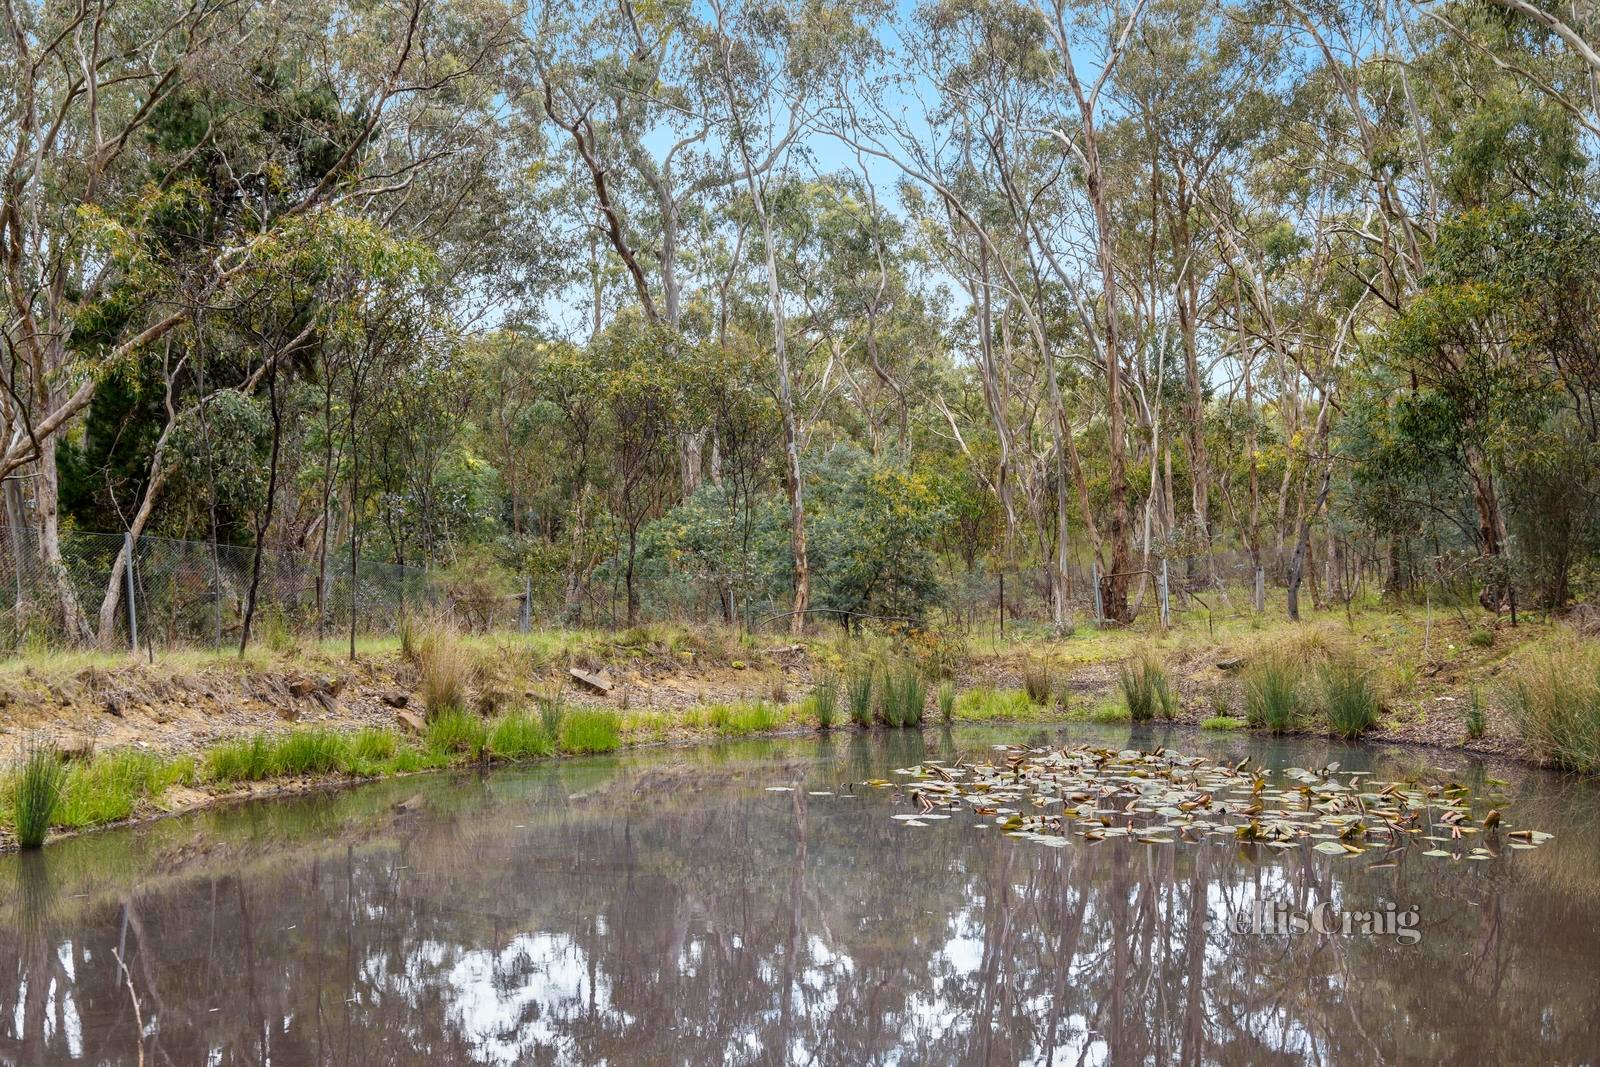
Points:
[(195, 592)]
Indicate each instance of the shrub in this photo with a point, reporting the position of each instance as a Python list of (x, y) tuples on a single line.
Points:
[(1272, 693), (590, 730), (443, 665), (1477, 721), (1036, 682), (35, 792), (518, 735), (823, 704), (1146, 689), (859, 691), (1555, 703), (312, 751), (1221, 722), (947, 702), (457, 731), (1481, 638), (1349, 701), (248, 760)]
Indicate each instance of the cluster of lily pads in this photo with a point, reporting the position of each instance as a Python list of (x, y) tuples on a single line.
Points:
[(1048, 795)]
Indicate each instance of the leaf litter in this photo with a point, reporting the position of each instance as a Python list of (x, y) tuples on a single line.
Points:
[(1049, 795)]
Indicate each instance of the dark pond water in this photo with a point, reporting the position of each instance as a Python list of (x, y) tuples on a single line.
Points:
[(666, 908)]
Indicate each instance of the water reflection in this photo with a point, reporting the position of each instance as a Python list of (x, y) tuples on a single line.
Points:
[(667, 909)]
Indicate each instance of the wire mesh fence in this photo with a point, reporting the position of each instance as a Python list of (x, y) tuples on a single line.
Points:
[(84, 592)]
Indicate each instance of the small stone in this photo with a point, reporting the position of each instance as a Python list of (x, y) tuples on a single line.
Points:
[(112, 706), (396, 699), (411, 722)]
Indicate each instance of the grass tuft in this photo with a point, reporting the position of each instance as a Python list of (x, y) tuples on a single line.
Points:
[(1350, 702), (1146, 689), (35, 792), (443, 665), (823, 704), (858, 690), (590, 730), (947, 702), (458, 732), (1272, 693), (1555, 703), (246, 760), (1036, 682), (1222, 722), (517, 735), (1477, 721)]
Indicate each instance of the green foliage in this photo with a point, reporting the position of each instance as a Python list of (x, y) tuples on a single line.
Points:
[(904, 696), (1477, 720), (1222, 722), (1036, 682), (454, 731), (984, 704), (247, 760), (518, 735), (1555, 703), (823, 704), (552, 710), (1272, 693), (739, 720), (859, 689), (1146, 689), (590, 730), (1483, 637), (370, 749), (947, 702), (110, 787), (873, 532), (36, 788), (1350, 703)]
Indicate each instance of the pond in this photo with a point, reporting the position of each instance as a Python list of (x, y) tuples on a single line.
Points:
[(671, 907)]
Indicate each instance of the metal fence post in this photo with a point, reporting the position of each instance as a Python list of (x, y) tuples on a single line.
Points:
[(127, 574), (1166, 607), (1261, 590), (525, 622), (1094, 577)]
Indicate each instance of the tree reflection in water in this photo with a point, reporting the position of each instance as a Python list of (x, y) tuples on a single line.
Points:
[(669, 909)]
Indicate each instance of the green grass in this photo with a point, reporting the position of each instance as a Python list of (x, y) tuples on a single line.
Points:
[(904, 696), (1555, 703), (1481, 638), (1477, 720), (1350, 703), (1222, 722), (457, 732), (517, 735), (590, 730), (823, 704), (947, 702), (1272, 694), (739, 720), (36, 790), (858, 691), (991, 705), (370, 750), (110, 787), (1036, 682), (1146, 689), (551, 711), (246, 760), (308, 752)]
